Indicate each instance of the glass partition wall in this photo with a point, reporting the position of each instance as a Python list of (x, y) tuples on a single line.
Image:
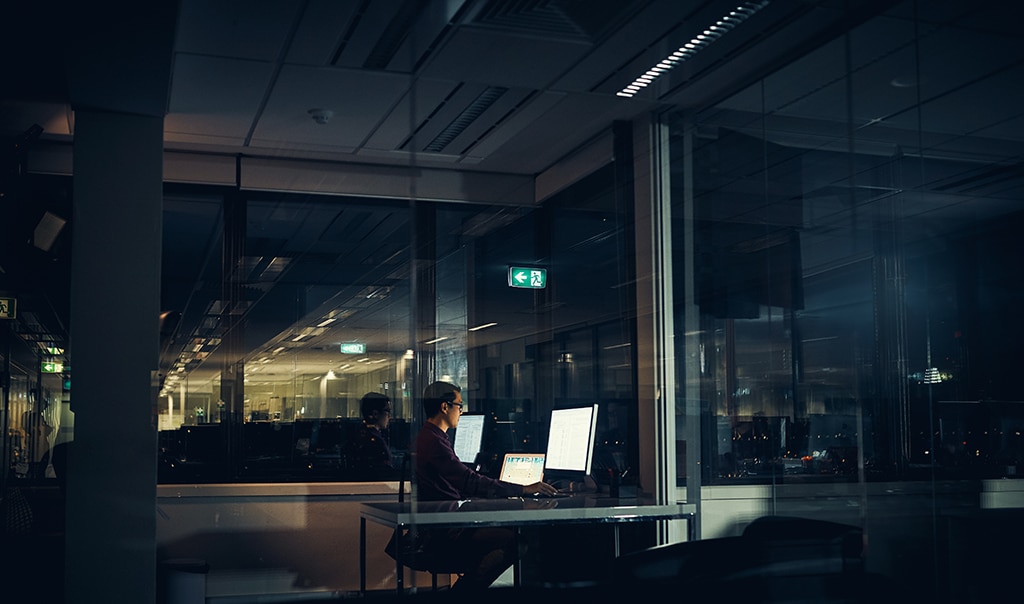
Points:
[(272, 339), (855, 250)]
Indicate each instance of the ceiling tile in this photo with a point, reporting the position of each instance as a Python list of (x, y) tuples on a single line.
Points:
[(215, 97), (359, 100)]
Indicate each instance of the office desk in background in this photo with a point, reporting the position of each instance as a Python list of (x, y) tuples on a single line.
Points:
[(513, 512)]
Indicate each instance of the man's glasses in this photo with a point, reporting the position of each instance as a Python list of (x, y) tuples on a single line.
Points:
[(459, 405)]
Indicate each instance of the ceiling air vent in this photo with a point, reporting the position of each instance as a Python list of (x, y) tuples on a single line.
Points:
[(464, 119), (583, 20), (395, 33)]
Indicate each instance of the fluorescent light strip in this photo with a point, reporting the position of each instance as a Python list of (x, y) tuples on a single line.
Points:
[(735, 17), (484, 326)]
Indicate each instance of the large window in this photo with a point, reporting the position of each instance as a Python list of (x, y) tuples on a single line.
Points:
[(853, 250), (282, 310)]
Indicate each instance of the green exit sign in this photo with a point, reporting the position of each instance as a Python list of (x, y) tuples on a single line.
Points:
[(527, 277), (51, 367), (353, 348)]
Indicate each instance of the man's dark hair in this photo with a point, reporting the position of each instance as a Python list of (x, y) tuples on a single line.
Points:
[(437, 393), (373, 402)]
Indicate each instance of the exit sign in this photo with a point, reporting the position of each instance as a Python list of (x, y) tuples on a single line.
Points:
[(8, 308), (526, 277), (51, 367), (353, 347)]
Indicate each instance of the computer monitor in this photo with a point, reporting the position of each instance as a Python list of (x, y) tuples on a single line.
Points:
[(571, 436), (469, 437)]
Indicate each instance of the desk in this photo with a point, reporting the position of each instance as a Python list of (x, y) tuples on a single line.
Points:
[(515, 512)]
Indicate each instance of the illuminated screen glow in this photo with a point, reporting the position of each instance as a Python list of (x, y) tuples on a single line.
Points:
[(469, 437), (522, 468), (571, 437)]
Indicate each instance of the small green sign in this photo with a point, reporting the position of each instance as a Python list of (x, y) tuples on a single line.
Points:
[(353, 348), (526, 277), (52, 367), (8, 308)]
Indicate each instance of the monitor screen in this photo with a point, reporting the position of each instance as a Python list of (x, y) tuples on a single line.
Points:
[(571, 437), (522, 468), (469, 437)]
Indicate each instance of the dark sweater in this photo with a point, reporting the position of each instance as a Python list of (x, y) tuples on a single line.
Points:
[(441, 476)]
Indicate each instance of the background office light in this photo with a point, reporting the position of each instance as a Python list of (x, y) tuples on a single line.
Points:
[(713, 32)]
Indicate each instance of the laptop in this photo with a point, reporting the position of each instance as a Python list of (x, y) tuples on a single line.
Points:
[(522, 468)]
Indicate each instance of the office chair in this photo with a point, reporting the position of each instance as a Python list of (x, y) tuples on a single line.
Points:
[(411, 556)]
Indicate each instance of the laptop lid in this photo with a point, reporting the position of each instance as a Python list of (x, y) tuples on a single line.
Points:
[(522, 468)]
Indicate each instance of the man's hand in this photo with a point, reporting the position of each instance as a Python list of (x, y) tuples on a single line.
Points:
[(539, 488)]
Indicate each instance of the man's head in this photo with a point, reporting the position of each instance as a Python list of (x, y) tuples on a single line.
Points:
[(376, 409), (442, 401)]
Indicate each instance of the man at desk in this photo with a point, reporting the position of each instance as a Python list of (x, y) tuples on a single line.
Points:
[(483, 553)]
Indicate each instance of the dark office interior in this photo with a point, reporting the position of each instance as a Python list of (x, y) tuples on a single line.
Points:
[(776, 242)]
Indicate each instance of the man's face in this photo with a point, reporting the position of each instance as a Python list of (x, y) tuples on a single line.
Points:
[(453, 410)]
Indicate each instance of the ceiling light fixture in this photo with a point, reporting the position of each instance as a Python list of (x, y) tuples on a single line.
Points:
[(484, 326), (326, 322), (740, 14)]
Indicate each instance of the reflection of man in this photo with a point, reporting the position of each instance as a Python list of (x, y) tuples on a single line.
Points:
[(482, 554), (369, 452), (37, 442)]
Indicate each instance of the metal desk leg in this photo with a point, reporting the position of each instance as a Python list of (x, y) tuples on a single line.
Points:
[(399, 569), (517, 566), (362, 556)]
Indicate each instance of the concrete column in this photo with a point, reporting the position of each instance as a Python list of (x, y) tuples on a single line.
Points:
[(114, 348)]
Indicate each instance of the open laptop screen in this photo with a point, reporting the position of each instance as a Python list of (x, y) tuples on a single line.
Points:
[(522, 468)]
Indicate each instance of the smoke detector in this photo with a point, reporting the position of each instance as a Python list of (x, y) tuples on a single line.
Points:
[(321, 116)]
